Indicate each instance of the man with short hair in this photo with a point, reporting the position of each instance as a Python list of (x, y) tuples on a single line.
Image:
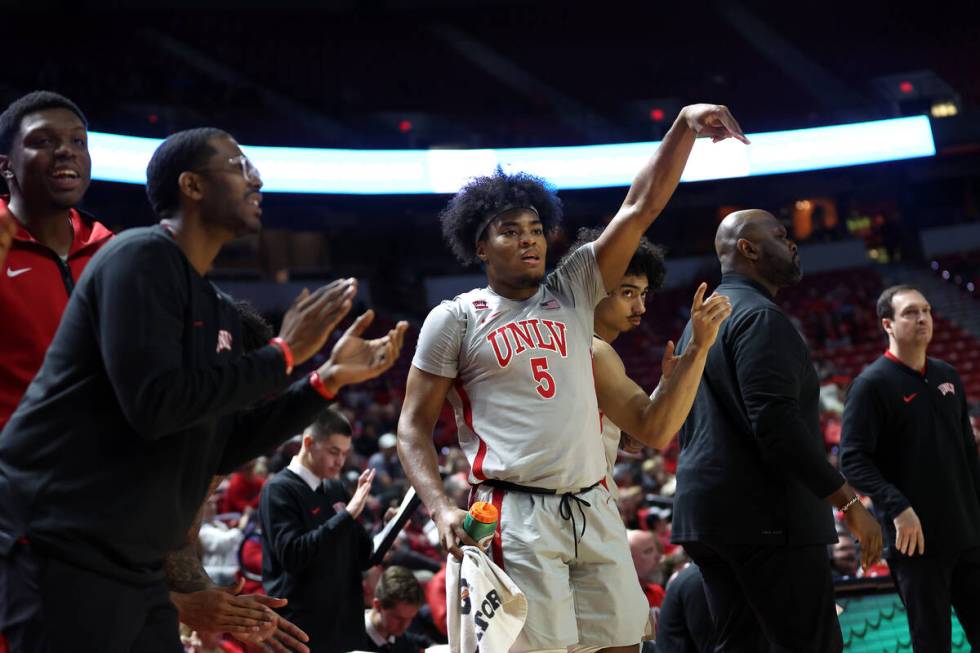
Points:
[(314, 550), (754, 487), (48, 241), (145, 395), (907, 442), (43, 138), (646, 554), (652, 420), (514, 359), (397, 600)]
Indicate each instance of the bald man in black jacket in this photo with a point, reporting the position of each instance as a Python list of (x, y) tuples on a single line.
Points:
[(754, 487)]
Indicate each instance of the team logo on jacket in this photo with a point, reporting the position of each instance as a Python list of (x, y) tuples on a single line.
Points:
[(480, 304), (517, 337), (947, 389), (224, 341), (550, 305)]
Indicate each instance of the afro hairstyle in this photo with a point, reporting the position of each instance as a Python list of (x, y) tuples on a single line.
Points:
[(33, 102), (648, 261), (490, 196), (181, 152)]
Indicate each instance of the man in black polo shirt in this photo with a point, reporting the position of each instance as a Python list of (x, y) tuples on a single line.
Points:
[(313, 548), (907, 442), (753, 481), (144, 395)]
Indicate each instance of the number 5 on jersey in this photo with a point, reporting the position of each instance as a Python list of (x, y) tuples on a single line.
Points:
[(545, 382)]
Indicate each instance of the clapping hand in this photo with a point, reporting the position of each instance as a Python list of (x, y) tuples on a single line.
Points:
[(354, 359)]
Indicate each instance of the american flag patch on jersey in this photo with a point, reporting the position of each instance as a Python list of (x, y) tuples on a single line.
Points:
[(480, 304), (224, 341), (550, 305)]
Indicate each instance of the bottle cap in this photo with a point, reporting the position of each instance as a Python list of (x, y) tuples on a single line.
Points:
[(483, 512)]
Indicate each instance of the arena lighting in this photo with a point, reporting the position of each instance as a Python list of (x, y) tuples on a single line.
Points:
[(383, 172)]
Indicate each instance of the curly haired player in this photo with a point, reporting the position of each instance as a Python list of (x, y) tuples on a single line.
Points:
[(514, 359)]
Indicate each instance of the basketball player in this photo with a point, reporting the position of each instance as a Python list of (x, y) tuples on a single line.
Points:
[(515, 361), (653, 420)]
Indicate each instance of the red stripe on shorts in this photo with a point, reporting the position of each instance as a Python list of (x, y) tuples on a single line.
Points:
[(481, 452), (498, 545)]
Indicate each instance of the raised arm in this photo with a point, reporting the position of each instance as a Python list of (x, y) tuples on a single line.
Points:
[(654, 420), (656, 182), (425, 394)]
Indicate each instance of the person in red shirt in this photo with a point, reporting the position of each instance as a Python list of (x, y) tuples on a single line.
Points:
[(45, 164), (646, 558), (243, 491)]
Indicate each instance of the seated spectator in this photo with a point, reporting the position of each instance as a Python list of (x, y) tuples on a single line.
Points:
[(645, 550), (389, 478), (844, 560), (244, 487), (684, 624), (219, 545), (397, 599)]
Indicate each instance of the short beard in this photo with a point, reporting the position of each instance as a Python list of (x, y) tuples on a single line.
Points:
[(780, 273)]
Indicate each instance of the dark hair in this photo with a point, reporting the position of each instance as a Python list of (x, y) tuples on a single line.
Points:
[(648, 261), (885, 308), (398, 585), (181, 152), (490, 196), (256, 332), (35, 101), (330, 422)]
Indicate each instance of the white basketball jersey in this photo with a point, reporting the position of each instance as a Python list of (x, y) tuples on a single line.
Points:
[(524, 394), (610, 443)]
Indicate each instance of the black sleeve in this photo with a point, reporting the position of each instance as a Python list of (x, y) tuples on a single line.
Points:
[(141, 300), (254, 431), (365, 547), (294, 546), (969, 442), (861, 428), (769, 358)]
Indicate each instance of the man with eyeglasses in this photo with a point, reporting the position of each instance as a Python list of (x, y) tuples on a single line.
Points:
[(145, 395)]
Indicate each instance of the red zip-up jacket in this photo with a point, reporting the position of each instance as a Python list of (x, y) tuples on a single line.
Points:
[(34, 288)]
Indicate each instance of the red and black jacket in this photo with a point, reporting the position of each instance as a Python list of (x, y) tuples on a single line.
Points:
[(34, 287)]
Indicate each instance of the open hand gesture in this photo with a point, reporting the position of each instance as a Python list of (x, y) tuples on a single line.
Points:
[(707, 316), (313, 316), (354, 359)]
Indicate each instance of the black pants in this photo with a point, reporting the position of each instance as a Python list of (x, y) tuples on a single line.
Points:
[(47, 606), (929, 586), (769, 598)]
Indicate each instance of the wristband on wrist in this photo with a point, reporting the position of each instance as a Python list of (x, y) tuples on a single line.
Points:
[(320, 387), (287, 353), (847, 506)]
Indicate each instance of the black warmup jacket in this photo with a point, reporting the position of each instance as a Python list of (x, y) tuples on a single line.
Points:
[(144, 396), (906, 440), (752, 467), (313, 553)]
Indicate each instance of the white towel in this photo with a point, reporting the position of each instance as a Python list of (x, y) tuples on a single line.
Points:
[(485, 609)]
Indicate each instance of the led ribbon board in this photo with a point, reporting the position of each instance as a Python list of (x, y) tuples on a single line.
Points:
[(386, 172)]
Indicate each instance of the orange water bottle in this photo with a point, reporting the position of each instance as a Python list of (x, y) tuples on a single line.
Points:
[(481, 522)]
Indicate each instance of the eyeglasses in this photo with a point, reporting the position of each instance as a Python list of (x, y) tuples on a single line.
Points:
[(249, 171)]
